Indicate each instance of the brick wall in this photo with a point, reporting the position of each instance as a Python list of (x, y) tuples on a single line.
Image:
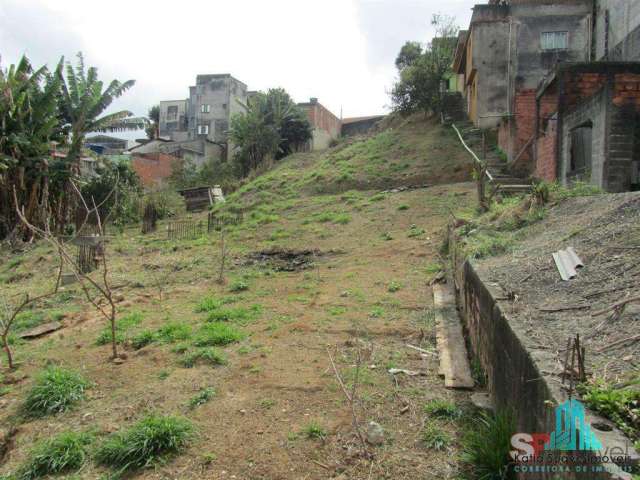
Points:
[(153, 168), (579, 86), (546, 151), (626, 89)]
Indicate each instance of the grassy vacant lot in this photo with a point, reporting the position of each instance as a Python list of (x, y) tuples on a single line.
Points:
[(234, 380)]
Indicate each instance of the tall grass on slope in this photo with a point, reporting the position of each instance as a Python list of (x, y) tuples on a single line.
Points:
[(486, 446), (55, 390), (66, 452), (144, 443)]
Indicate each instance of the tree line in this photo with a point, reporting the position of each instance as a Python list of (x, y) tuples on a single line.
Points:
[(42, 111)]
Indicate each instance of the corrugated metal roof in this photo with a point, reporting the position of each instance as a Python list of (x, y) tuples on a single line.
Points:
[(567, 261)]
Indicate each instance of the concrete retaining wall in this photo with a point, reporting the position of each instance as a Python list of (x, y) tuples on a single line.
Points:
[(514, 377)]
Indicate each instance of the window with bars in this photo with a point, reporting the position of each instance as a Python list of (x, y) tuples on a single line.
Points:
[(554, 40)]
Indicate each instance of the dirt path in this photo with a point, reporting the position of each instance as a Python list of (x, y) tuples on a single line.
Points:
[(369, 294)]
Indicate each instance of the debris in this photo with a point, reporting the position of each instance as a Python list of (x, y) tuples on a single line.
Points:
[(41, 330), (284, 259), (567, 262), (617, 307), (395, 371), (404, 409), (375, 433), (421, 350), (563, 308), (619, 342)]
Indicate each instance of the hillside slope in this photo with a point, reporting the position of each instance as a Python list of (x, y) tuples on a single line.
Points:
[(344, 272)]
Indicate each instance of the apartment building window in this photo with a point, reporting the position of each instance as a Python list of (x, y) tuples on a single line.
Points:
[(205, 108), (203, 129), (554, 40), (172, 112)]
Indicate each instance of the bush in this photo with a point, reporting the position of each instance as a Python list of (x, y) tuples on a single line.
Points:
[(65, 452), (145, 442), (210, 356), (213, 334), (55, 390), (486, 446)]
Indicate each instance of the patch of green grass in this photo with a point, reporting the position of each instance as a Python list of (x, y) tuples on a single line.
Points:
[(266, 403), (13, 263), (235, 314), (487, 244), (208, 304), (444, 409), (202, 397), (433, 268), (434, 437), (618, 403), (376, 312), (163, 374), (404, 206), (209, 356), (174, 331), (486, 445), (394, 286), (146, 442), (218, 333), (238, 286), (337, 310), (377, 197), (63, 453), (123, 325), (55, 390), (142, 339), (314, 431), (386, 236), (576, 189)]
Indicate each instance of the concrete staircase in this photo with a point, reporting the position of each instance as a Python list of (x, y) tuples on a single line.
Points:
[(499, 175)]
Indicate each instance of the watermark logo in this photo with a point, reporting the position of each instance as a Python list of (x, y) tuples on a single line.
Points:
[(571, 447), (572, 431)]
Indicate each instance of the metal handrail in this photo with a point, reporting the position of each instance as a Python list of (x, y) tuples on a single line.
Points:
[(475, 157)]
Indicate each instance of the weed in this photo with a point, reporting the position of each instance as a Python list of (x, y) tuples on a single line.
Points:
[(337, 310), (144, 443), (486, 445), (266, 403), (394, 286), (163, 374), (378, 197), (55, 390), (415, 232), (404, 206), (433, 268), (376, 312), (217, 333), (202, 397), (210, 356), (63, 453), (434, 437), (314, 431), (478, 373), (238, 286), (142, 339), (386, 236), (445, 409)]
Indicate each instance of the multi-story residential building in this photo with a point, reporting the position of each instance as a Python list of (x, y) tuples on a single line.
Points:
[(509, 48), (560, 79), (198, 125)]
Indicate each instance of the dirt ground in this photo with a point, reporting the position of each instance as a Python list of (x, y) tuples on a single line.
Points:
[(368, 291), (605, 233)]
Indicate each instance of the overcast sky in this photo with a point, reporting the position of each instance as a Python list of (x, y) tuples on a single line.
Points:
[(341, 51)]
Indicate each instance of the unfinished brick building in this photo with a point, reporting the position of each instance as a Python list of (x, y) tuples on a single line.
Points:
[(588, 118)]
